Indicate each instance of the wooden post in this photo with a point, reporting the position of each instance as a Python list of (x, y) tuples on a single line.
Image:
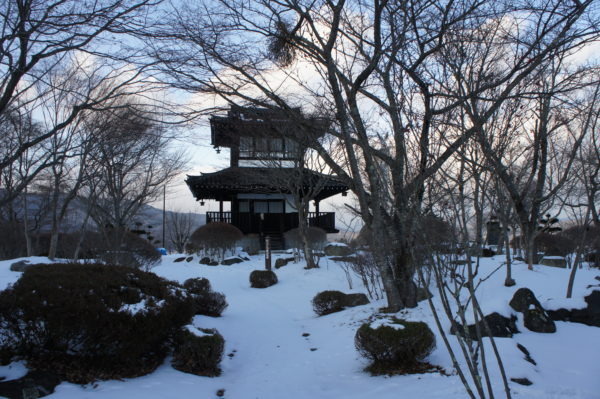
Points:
[(317, 207), (268, 253), (221, 211)]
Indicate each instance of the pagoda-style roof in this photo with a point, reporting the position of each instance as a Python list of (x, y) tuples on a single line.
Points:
[(224, 184), (264, 122)]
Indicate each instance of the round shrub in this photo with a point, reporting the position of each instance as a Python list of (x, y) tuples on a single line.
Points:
[(198, 351), (327, 302), (205, 301), (395, 346), (197, 285), (262, 278), (90, 322), (215, 239), (127, 249), (316, 236)]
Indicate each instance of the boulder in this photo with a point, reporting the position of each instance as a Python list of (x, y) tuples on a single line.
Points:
[(537, 320), (231, 261), (522, 381), (337, 249), (280, 262), (36, 384), (181, 259), (262, 278), (522, 299), (355, 300), (589, 315), (554, 261), (499, 326), (487, 253), (189, 259), (535, 317), (20, 266), (205, 260), (527, 354)]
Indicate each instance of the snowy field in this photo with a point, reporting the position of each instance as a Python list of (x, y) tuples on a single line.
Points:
[(269, 358)]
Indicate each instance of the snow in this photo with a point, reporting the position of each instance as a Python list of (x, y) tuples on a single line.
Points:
[(273, 358), (386, 323), (337, 244)]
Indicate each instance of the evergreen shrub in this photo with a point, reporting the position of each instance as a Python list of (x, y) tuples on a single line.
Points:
[(205, 301), (395, 349), (262, 278), (215, 239), (93, 321), (327, 302), (198, 351)]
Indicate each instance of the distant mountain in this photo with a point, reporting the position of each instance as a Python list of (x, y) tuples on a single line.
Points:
[(149, 218)]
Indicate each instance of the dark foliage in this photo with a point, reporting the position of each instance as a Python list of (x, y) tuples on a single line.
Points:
[(327, 302), (199, 353), (555, 244), (395, 350), (316, 237), (262, 278), (90, 322), (12, 240), (205, 301), (127, 249), (214, 239)]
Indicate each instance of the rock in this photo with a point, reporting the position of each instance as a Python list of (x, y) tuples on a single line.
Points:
[(355, 300), (554, 261), (213, 263), (189, 259), (231, 261), (487, 253), (521, 381), (280, 262), (537, 320), (262, 278), (499, 326), (337, 249), (35, 384), (205, 260), (20, 266), (589, 315), (181, 259), (522, 299), (527, 354)]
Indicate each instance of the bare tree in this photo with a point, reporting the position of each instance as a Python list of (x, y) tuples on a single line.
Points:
[(387, 73), (134, 163), (180, 227), (41, 39)]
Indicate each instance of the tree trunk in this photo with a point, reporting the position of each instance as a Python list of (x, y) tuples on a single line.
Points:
[(405, 271)]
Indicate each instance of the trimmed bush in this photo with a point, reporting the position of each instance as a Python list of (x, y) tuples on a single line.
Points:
[(395, 347), (327, 302), (317, 238), (127, 249), (215, 239), (198, 351), (197, 285), (205, 301), (90, 322), (262, 278)]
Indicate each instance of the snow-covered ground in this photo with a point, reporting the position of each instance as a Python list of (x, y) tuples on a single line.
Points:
[(272, 357)]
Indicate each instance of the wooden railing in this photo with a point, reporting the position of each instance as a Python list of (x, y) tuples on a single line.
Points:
[(250, 222), (212, 217)]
